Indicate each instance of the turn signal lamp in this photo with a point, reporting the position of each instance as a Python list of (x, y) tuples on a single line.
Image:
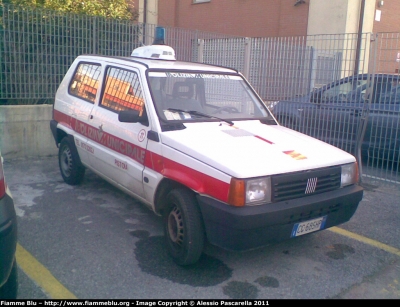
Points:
[(237, 196)]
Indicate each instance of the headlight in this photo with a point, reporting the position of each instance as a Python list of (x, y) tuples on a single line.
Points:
[(349, 174), (249, 192), (258, 190)]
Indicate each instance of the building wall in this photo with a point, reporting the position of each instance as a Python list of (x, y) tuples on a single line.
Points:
[(328, 17), (389, 21), (25, 131), (267, 18), (388, 25), (339, 16), (151, 15), (254, 18)]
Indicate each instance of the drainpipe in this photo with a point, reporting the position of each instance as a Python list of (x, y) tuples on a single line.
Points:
[(359, 37), (144, 21), (144, 11), (364, 113)]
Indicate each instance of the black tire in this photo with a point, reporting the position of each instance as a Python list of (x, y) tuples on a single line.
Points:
[(10, 288), (71, 168), (183, 227)]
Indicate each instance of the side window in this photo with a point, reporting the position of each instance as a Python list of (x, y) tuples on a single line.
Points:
[(122, 91), (337, 92), (381, 91), (353, 91), (387, 91), (85, 81), (358, 94)]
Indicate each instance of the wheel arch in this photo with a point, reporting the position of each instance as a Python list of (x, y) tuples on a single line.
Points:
[(58, 133), (165, 186)]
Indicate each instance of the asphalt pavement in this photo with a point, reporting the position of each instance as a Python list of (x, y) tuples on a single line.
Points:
[(93, 241)]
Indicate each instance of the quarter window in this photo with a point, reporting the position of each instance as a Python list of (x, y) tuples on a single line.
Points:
[(85, 82), (122, 91)]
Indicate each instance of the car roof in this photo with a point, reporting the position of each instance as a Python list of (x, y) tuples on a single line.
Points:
[(377, 75), (158, 64)]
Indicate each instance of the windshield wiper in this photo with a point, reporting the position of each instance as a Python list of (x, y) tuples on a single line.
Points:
[(193, 112)]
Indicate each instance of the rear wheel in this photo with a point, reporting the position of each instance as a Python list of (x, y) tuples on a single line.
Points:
[(9, 289), (183, 227), (69, 162)]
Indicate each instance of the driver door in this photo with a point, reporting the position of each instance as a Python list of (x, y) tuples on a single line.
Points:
[(340, 113)]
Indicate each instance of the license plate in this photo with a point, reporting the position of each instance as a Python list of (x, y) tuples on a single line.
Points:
[(308, 226)]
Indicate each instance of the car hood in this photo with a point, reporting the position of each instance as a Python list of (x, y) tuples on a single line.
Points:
[(252, 149)]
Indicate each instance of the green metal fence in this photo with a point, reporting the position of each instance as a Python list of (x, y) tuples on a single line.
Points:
[(37, 46)]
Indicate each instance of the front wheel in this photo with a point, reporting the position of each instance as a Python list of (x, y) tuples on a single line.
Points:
[(69, 162), (183, 227)]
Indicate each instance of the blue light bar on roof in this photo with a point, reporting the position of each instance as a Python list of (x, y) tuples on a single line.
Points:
[(159, 38)]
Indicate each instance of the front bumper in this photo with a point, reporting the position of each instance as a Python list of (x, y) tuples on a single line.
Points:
[(8, 237), (241, 228)]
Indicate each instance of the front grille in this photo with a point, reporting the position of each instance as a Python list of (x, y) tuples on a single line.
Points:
[(301, 184)]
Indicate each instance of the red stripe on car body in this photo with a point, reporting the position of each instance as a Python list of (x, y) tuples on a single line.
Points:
[(196, 180)]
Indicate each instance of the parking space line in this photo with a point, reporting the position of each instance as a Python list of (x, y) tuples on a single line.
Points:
[(365, 240), (41, 275)]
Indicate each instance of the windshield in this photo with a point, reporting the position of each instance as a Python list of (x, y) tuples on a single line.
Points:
[(189, 96)]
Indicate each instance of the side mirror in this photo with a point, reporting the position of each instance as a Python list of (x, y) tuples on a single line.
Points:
[(133, 116)]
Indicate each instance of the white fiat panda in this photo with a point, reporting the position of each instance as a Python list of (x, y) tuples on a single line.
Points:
[(197, 145)]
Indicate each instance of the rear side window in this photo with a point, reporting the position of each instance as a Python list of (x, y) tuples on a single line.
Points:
[(387, 91), (85, 81), (122, 91)]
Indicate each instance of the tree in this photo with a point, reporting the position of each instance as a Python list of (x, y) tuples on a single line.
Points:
[(40, 38), (116, 9)]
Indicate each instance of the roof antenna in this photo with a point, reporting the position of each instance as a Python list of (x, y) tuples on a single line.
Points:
[(159, 38)]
